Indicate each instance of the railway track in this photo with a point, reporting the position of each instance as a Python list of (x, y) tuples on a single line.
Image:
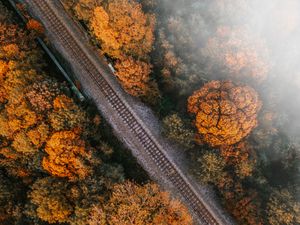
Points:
[(152, 149)]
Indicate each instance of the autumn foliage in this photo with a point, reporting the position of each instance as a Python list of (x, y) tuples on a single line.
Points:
[(49, 195), (125, 34), (123, 28), (282, 208), (238, 153), (244, 206), (238, 54), (34, 25), (134, 204), (225, 112), (66, 156), (135, 78)]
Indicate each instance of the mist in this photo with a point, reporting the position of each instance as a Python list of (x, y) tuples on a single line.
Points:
[(274, 24)]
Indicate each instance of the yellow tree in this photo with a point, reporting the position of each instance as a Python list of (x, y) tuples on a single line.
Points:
[(49, 196), (123, 28), (134, 76), (283, 209), (133, 204), (225, 112), (67, 156), (211, 169), (66, 115)]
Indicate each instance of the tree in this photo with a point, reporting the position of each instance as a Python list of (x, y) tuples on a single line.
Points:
[(237, 153), (175, 129), (135, 78), (22, 144), (134, 204), (179, 42), (243, 203), (49, 196), (225, 112), (39, 135), (93, 215), (283, 209), (237, 53), (19, 117), (3, 70), (19, 48), (123, 29), (84, 8), (245, 208), (5, 14), (35, 26), (66, 115), (68, 156), (211, 169), (241, 156), (126, 34), (6, 199), (41, 94)]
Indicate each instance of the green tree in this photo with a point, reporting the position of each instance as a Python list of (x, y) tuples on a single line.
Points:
[(174, 128), (211, 168)]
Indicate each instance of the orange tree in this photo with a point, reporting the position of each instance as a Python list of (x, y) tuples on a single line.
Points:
[(134, 204), (134, 76), (126, 34), (67, 155), (43, 128), (50, 200), (225, 112), (123, 28)]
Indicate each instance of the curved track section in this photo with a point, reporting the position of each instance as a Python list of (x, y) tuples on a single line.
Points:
[(154, 151)]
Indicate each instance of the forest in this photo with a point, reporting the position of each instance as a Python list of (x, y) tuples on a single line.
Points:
[(222, 76), (57, 165)]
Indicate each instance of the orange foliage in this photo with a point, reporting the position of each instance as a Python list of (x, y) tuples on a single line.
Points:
[(123, 28), (11, 50), (66, 155), (239, 53), (34, 25), (225, 112), (20, 117), (38, 135), (8, 153), (66, 114), (41, 94), (62, 102), (242, 203), (134, 76), (3, 71), (238, 153), (133, 204), (246, 210), (49, 196)]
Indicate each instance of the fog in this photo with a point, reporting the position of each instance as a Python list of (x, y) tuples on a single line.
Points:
[(275, 23)]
